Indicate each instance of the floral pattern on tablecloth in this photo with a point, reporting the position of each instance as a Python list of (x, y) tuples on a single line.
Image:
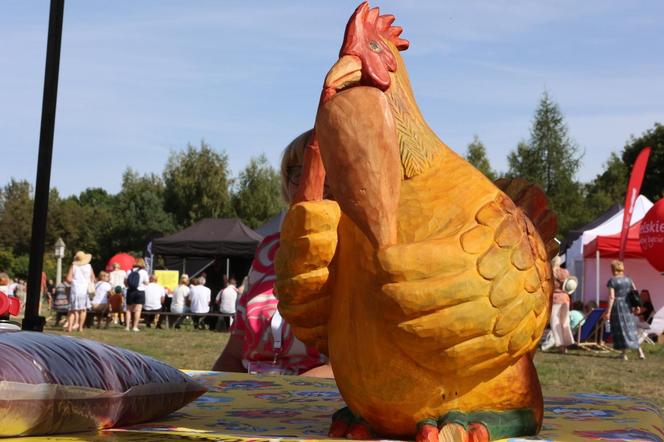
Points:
[(247, 408)]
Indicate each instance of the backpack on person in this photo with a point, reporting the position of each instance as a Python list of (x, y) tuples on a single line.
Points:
[(133, 280)]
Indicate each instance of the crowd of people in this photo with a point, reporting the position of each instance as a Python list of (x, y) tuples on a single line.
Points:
[(126, 297), (261, 341), (627, 312)]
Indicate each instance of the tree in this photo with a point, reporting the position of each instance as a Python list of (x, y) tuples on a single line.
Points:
[(551, 159), (6, 260), (653, 183), (607, 188), (476, 155), (16, 205), (258, 194), (69, 221), (197, 185), (95, 197), (139, 214)]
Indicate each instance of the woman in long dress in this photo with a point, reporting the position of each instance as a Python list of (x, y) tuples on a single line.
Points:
[(622, 319), (81, 277)]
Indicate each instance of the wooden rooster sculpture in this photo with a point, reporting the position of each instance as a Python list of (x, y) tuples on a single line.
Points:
[(424, 282)]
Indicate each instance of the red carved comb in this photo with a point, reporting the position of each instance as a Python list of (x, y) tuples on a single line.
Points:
[(364, 16)]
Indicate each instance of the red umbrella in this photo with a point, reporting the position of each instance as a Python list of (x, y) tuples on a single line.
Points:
[(125, 260)]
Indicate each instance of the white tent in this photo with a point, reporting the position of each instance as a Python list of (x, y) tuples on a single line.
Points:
[(574, 254)]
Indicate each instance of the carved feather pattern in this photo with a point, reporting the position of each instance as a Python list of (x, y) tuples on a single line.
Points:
[(417, 150)]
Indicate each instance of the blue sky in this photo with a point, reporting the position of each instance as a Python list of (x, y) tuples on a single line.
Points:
[(140, 79)]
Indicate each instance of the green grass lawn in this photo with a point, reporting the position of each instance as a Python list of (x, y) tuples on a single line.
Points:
[(183, 348), (582, 371), (577, 371)]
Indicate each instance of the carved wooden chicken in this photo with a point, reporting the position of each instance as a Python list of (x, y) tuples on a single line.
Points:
[(426, 285)]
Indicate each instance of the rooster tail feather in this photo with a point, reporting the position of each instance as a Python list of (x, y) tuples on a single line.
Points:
[(535, 204)]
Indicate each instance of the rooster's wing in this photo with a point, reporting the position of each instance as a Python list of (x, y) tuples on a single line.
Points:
[(473, 300)]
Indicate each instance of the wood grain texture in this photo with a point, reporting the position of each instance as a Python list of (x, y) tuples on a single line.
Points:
[(358, 142), (439, 287)]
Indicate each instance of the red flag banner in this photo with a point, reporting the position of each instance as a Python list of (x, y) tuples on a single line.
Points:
[(633, 189)]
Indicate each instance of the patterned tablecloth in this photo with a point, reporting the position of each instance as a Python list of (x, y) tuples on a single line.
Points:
[(241, 407)]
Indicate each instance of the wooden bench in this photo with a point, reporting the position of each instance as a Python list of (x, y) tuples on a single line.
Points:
[(218, 315)]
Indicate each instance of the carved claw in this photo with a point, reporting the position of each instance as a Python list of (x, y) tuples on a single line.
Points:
[(341, 421), (453, 433), (477, 432), (359, 431), (338, 429), (346, 424), (427, 432)]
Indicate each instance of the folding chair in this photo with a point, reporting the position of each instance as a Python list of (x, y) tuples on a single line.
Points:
[(589, 335), (655, 328)]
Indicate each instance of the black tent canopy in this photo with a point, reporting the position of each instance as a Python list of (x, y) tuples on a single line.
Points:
[(210, 237), (208, 243)]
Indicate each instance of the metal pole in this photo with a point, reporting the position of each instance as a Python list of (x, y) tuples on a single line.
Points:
[(32, 320), (228, 268), (597, 277)]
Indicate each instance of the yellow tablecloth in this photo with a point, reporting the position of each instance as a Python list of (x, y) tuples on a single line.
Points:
[(241, 407)]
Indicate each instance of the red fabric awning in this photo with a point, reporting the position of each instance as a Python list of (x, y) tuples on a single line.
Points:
[(609, 245)]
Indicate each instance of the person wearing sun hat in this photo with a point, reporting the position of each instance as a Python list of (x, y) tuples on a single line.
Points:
[(81, 277), (563, 285)]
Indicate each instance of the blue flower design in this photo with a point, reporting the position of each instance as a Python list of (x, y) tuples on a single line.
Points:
[(240, 426), (318, 394), (301, 383), (606, 397), (573, 413), (263, 413), (210, 399), (245, 385), (628, 434), (273, 397)]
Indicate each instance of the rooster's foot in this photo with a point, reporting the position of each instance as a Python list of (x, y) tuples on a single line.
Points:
[(483, 426), (428, 431), (346, 425)]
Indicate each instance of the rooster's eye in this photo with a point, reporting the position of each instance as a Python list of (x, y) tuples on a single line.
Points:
[(374, 46)]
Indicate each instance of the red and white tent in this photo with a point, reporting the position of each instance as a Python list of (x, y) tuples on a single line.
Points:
[(574, 254), (598, 255)]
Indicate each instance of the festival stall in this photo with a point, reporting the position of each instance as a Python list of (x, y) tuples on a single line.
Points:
[(598, 255), (612, 225), (216, 246)]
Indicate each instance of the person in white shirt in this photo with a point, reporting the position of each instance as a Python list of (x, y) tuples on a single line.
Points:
[(13, 287), (117, 276), (226, 300), (100, 299), (199, 300), (154, 298), (136, 295), (179, 303)]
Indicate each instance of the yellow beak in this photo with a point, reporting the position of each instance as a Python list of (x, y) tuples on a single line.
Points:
[(346, 72)]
